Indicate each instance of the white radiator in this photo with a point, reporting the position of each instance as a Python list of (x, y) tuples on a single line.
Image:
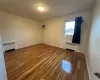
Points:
[(71, 46), (9, 45)]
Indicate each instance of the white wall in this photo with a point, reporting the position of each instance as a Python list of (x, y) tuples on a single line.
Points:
[(94, 46), (26, 32), (54, 32), (23, 31), (3, 75)]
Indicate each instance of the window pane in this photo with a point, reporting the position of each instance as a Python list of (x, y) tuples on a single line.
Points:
[(69, 28)]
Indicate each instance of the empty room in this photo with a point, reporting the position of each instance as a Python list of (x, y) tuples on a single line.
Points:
[(49, 39)]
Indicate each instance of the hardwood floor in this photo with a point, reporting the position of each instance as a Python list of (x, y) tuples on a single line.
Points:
[(45, 62)]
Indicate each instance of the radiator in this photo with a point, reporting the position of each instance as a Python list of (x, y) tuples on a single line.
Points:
[(9, 45), (71, 46)]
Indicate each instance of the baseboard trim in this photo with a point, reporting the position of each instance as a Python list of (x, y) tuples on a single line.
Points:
[(88, 67)]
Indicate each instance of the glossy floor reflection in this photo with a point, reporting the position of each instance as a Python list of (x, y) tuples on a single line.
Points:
[(66, 66)]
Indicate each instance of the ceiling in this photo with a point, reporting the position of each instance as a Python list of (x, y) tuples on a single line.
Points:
[(53, 8)]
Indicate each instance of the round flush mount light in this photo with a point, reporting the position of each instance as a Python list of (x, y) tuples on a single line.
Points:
[(40, 8)]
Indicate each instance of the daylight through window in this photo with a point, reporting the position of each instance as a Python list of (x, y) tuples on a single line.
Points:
[(69, 28)]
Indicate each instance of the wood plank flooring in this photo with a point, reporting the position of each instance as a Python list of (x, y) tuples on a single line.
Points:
[(45, 62)]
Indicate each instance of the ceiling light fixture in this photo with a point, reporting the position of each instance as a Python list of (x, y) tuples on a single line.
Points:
[(40, 8)]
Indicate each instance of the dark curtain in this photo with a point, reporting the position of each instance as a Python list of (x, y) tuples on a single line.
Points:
[(77, 30)]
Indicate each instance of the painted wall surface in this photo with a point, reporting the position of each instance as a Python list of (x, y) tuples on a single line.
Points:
[(94, 45), (23, 31), (3, 75), (54, 31)]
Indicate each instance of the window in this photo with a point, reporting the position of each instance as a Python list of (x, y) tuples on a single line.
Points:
[(69, 28)]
